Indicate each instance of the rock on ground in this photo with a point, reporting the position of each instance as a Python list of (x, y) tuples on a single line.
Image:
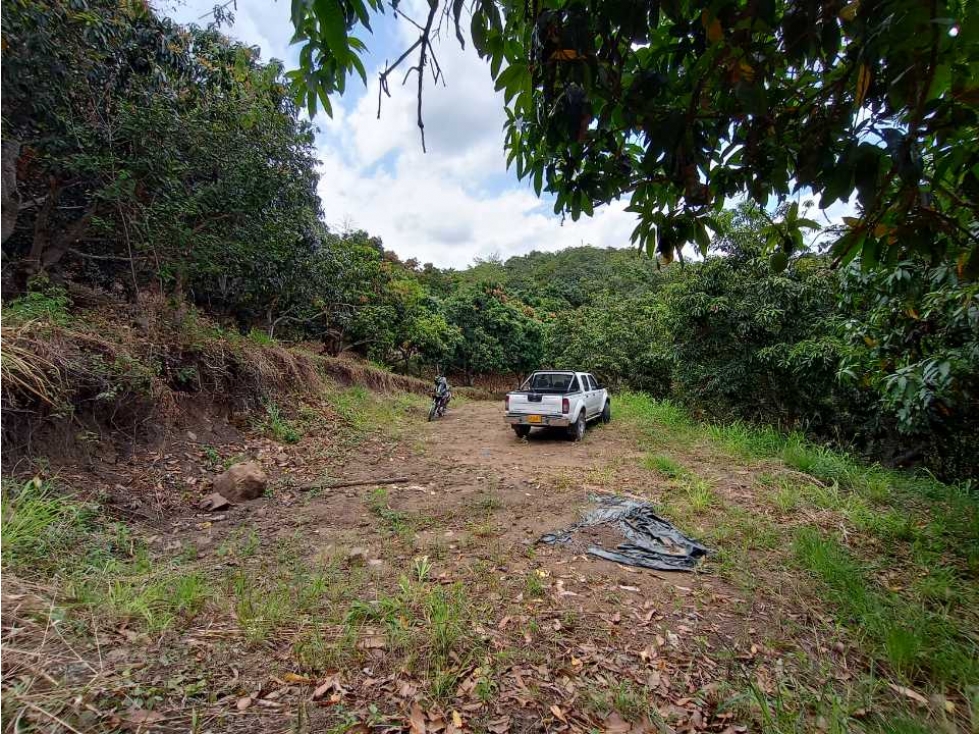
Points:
[(244, 481)]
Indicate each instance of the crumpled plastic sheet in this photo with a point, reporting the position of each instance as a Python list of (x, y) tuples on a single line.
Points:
[(650, 540)]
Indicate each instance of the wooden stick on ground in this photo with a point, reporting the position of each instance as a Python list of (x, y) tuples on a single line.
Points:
[(351, 483)]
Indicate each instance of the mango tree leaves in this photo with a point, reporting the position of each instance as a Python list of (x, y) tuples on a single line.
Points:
[(685, 104)]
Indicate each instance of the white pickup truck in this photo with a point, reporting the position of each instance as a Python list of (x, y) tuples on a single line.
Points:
[(551, 398)]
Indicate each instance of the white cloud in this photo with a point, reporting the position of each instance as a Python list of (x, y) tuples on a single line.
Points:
[(436, 218), (448, 206)]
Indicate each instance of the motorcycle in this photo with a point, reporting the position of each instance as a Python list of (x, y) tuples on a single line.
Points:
[(439, 404)]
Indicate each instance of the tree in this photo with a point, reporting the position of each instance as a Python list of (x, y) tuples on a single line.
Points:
[(151, 151), (913, 336), (683, 104), (621, 341), (497, 334)]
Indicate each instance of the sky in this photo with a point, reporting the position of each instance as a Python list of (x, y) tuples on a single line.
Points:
[(449, 206)]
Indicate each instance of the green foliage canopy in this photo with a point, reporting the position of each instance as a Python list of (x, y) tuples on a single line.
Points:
[(154, 152), (682, 105)]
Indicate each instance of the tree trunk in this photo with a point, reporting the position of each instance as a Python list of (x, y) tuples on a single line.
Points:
[(8, 187), (48, 248)]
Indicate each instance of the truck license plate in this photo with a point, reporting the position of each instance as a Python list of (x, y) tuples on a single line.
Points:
[(535, 419)]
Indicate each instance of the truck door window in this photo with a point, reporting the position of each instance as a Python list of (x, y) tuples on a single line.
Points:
[(551, 383)]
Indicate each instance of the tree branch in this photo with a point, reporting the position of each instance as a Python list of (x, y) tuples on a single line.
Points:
[(425, 42), (387, 71)]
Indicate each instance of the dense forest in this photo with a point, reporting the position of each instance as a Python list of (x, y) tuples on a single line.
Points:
[(144, 156)]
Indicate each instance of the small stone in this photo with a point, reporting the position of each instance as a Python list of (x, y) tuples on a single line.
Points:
[(357, 556), (215, 501), (191, 435)]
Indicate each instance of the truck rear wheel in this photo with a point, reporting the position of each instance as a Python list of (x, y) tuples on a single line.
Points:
[(521, 431), (577, 429)]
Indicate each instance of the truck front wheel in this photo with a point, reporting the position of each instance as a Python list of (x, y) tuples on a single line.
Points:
[(521, 431), (577, 429), (607, 412)]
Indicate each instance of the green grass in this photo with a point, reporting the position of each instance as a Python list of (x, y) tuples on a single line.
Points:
[(260, 337), (486, 504), (919, 644), (428, 629), (50, 536), (633, 702), (365, 412), (903, 586), (154, 599), (395, 521), (637, 407), (665, 466), (700, 495), (43, 302), (275, 424), (534, 585), (744, 441), (40, 526)]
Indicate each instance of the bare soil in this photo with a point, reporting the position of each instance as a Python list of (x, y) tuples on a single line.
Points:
[(560, 641)]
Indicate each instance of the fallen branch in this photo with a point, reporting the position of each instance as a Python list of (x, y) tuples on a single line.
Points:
[(350, 483), (49, 715)]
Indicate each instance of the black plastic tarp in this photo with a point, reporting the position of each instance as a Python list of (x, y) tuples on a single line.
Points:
[(650, 541)]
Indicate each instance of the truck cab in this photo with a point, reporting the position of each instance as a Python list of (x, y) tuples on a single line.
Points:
[(557, 399)]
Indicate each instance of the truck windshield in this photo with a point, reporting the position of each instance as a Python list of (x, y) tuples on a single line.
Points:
[(557, 382)]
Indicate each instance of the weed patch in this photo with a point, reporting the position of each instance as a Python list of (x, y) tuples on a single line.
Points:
[(916, 643), (276, 425), (364, 412), (102, 569), (665, 466), (43, 302)]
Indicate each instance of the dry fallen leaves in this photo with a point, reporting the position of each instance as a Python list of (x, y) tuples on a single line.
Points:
[(615, 724), (417, 719), (910, 693), (296, 678), (330, 684), (498, 726)]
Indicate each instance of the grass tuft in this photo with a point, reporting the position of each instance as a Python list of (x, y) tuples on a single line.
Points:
[(665, 466), (104, 570), (915, 642), (278, 426)]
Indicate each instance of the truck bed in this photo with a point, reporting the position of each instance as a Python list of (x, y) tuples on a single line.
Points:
[(545, 398)]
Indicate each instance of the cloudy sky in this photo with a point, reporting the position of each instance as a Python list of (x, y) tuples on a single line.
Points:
[(448, 206)]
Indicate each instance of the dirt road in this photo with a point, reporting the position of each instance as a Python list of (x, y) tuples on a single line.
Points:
[(428, 600), (476, 501), (427, 604)]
